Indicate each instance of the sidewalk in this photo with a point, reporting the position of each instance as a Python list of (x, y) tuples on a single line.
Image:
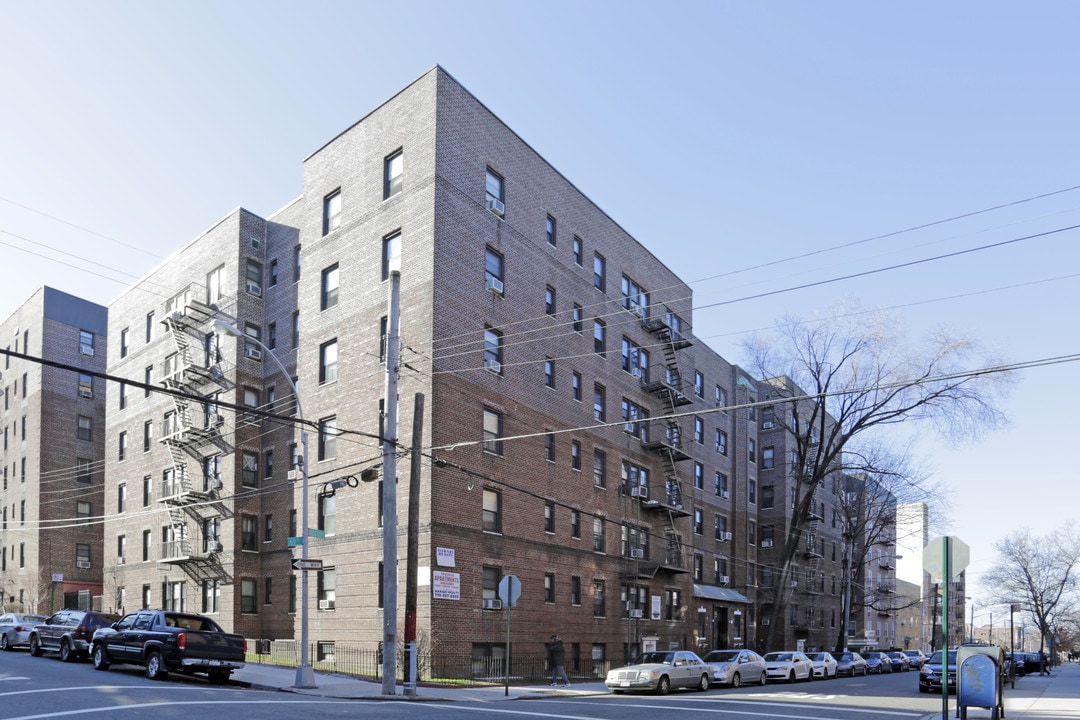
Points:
[(272, 677), (1052, 697)]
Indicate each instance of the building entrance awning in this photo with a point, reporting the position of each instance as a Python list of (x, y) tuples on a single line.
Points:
[(720, 594)]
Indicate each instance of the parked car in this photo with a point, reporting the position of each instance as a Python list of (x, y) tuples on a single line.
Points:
[(660, 672), (824, 665), (900, 661), (850, 663), (15, 629), (930, 674), (917, 658), (788, 666), (878, 662), (735, 667), (162, 640), (68, 632)]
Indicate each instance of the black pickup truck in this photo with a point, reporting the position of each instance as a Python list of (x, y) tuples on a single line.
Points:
[(162, 640)]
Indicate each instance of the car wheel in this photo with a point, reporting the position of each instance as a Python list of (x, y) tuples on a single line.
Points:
[(155, 668), (736, 680), (4, 644), (664, 686), (763, 679), (616, 692), (35, 647), (100, 657), (219, 676), (791, 676), (703, 684), (66, 654)]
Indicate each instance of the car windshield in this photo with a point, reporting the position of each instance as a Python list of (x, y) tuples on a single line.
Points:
[(778, 657), (656, 658), (935, 659), (722, 656), (31, 618), (846, 657), (820, 656)]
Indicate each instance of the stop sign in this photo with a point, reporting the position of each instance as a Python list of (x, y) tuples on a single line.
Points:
[(510, 590)]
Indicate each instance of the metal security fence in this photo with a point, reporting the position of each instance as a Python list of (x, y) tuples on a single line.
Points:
[(433, 668)]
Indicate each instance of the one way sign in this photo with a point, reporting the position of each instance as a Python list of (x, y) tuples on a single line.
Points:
[(301, 564)]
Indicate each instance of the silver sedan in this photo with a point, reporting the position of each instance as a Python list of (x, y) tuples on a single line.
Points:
[(735, 667), (15, 629)]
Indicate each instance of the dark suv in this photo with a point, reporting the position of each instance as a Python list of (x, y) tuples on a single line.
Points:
[(68, 632)]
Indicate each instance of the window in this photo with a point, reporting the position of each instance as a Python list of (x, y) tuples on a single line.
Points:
[(121, 497), (122, 392), (635, 298), (328, 362), (751, 532), (329, 294), (549, 588), (634, 476), (251, 400), (549, 373), (86, 386), (148, 380), (493, 271), (296, 264), (751, 492), (253, 273), (124, 342), (328, 438), (672, 604), (147, 542), (493, 350), (575, 383), (549, 447), (489, 587), (599, 403), (492, 513), (272, 281), (147, 491), (268, 465), (82, 555), (493, 432), (699, 431), (247, 596), (82, 512), (549, 300), (121, 549), (148, 436), (751, 450), (599, 468), (699, 525), (575, 524), (599, 337), (331, 212), (391, 254), (384, 331), (252, 336), (549, 517), (635, 360), (599, 272), (578, 251), (721, 397), (271, 335), (768, 457), (575, 590), (721, 442), (699, 476), (578, 319), (393, 173), (598, 537), (720, 527), (121, 446), (699, 568), (635, 420), (550, 231), (493, 185), (720, 570), (575, 454), (326, 588), (768, 498), (149, 326), (327, 521), (249, 463), (86, 428), (720, 483), (599, 606)]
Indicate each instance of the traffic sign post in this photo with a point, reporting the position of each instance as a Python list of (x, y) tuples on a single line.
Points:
[(944, 557), (509, 592)]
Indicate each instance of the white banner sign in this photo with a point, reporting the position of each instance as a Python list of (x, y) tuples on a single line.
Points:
[(445, 585)]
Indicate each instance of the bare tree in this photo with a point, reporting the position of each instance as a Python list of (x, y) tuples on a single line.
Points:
[(840, 380), (1039, 573)]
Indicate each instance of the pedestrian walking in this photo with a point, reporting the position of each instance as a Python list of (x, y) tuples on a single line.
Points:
[(556, 655)]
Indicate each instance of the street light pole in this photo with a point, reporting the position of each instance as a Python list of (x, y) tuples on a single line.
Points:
[(305, 674)]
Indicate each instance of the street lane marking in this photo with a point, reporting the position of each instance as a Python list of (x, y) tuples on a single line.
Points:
[(769, 708), (143, 706)]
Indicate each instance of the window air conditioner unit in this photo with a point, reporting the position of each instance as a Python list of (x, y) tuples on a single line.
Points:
[(86, 349), (496, 206), (767, 425), (293, 475), (724, 494), (218, 420), (637, 553), (253, 353), (84, 564), (493, 365), (765, 621), (254, 289), (216, 547), (639, 491), (495, 285), (635, 613), (724, 579), (326, 604), (766, 543), (493, 604), (726, 536), (120, 560), (795, 583)]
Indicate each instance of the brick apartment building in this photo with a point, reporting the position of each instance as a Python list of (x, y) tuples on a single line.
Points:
[(54, 439), (577, 434)]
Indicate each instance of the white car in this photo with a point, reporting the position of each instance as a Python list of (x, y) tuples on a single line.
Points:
[(789, 666), (661, 672), (735, 667), (824, 665), (15, 629)]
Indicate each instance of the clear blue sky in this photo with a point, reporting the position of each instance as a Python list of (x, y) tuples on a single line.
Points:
[(721, 135)]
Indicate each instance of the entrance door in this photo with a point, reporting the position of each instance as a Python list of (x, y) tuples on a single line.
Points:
[(721, 627)]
